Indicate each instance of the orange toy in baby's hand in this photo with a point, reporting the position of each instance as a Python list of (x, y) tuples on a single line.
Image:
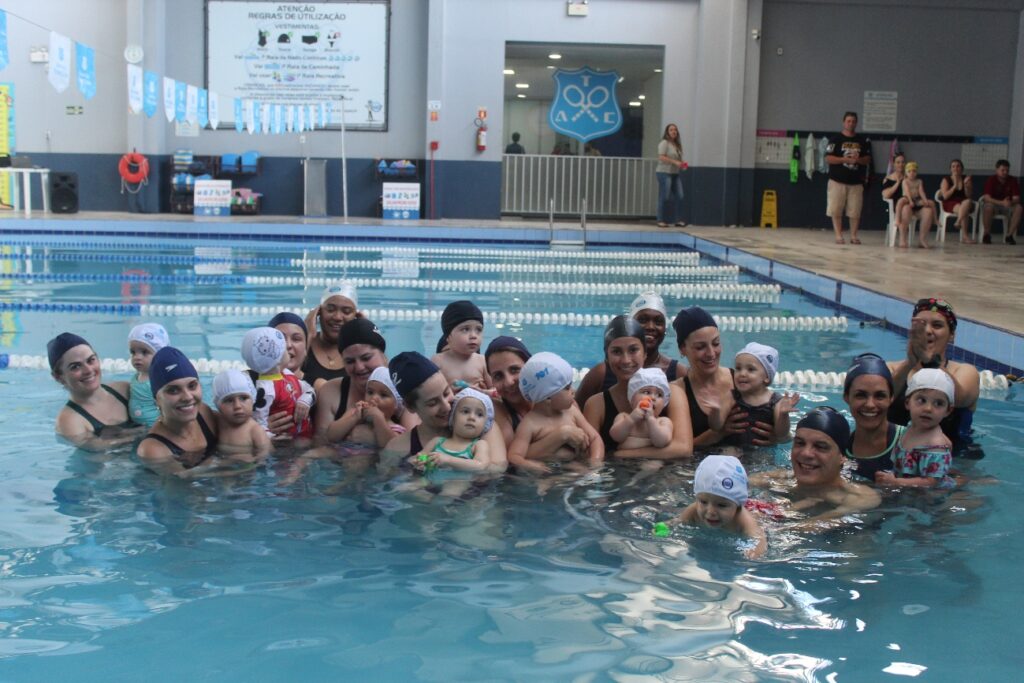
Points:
[(645, 404)]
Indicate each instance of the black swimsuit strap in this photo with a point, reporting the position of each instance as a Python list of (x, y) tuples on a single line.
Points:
[(346, 384), (118, 396), (177, 451), (415, 445), (171, 446), (97, 426), (211, 438)]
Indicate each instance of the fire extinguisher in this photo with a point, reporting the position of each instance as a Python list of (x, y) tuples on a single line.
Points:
[(481, 135)]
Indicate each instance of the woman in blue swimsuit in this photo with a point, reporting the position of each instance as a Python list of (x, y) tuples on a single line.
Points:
[(95, 418)]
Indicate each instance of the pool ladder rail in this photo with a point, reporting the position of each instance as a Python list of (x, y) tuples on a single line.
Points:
[(569, 244)]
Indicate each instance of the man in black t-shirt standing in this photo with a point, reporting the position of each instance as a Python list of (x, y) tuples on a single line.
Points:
[(848, 156)]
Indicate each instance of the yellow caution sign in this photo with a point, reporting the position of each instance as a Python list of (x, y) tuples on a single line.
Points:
[(6, 119), (769, 209)]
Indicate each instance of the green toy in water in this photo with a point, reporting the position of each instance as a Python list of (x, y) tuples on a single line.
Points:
[(425, 459), (661, 529)]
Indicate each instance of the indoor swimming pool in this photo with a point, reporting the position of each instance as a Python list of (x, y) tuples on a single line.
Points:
[(109, 572)]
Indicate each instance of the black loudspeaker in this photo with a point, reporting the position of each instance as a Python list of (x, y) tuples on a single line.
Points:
[(64, 192)]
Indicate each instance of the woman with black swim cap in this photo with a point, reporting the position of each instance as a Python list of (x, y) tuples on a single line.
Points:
[(624, 354)]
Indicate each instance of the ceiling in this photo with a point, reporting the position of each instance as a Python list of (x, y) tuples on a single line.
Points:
[(635, 63)]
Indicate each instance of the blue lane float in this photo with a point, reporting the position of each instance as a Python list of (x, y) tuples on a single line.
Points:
[(188, 279), (108, 309)]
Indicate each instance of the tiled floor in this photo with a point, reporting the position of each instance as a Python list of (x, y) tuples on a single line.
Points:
[(982, 282)]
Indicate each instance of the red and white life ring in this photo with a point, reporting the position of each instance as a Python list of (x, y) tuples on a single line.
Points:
[(140, 164)]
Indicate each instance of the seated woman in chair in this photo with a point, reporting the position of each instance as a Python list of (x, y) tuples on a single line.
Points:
[(892, 188), (956, 192)]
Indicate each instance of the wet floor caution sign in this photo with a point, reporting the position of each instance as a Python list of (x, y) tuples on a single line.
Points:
[(769, 209)]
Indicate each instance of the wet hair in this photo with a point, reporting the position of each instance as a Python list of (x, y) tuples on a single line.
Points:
[(853, 114), (1003, 162), (956, 161)]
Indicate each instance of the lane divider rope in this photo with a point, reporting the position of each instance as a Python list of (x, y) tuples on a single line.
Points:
[(735, 323), (683, 257), (522, 267), (679, 257), (375, 264), (207, 366)]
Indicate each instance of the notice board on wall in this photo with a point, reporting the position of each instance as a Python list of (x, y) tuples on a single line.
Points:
[(302, 54)]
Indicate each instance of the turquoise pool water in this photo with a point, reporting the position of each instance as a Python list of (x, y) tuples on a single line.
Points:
[(109, 573)]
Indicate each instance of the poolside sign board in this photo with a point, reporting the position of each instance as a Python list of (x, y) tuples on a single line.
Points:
[(401, 200), (212, 198)]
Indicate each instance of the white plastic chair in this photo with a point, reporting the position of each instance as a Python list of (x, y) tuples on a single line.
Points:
[(976, 230), (944, 215), (892, 231)]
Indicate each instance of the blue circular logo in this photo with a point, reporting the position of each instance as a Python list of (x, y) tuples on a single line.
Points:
[(727, 483)]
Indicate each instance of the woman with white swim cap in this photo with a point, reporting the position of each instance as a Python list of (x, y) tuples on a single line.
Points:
[(338, 305)]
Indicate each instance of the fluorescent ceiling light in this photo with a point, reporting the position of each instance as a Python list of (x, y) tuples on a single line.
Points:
[(554, 55), (641, 97), (636, 103), (521, 96), (522, 86), (509, 72)]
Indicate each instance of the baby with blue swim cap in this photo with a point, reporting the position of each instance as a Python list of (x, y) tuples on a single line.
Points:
[(546, 382), (720, 487)]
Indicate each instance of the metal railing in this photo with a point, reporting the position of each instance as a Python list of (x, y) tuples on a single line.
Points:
[(611, 186)]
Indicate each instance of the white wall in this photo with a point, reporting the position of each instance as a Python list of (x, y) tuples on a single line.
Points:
[(467, 54), (172, 35), (40, 118), (1016, 157)]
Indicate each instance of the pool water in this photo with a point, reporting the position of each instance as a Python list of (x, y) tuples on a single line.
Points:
[(108, 572)]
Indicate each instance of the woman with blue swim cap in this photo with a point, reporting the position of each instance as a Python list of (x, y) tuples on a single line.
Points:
[(868, 392), (817, 461), (95, 417), (427, 393), (185, 436)]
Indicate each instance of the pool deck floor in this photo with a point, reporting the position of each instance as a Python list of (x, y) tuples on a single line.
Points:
[(983, 282)]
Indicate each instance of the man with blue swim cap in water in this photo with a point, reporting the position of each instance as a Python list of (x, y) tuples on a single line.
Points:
[(817, 461)]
